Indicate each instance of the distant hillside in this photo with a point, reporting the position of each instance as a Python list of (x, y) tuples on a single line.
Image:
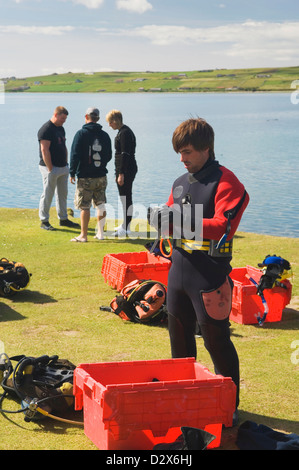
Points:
[(224, 80)]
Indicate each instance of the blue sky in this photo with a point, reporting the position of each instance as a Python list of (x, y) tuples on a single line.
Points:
[(39, 37)]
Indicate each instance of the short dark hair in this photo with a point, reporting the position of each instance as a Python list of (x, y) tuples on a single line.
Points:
[(196, 132)]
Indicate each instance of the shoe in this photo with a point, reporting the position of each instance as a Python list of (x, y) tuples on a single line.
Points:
[(68, 223), (76, 239), (46, 226), (236, 417), (99, 237), (121, 232)]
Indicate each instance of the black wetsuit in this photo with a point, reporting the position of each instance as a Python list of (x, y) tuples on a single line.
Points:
[(199, 287), (125, 163)]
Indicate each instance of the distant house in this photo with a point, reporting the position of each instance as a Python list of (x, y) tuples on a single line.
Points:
[(119, 80), (138, 79), (37, 82), (155, 89), (21, 88), (78, 81)]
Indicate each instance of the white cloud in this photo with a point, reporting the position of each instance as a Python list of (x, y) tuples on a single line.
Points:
[(156, 47), (249, 42), (21, 1), (250, 32), (92, 4), (38, 30), (237, 38), (137, 6)]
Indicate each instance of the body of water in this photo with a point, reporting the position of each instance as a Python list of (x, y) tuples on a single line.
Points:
[(256, 136)]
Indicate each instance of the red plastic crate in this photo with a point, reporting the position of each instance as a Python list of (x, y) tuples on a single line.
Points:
[(247, 305), (136, 405), (119, 269)]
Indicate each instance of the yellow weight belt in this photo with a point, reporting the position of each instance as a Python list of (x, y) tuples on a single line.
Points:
[(204, 245)]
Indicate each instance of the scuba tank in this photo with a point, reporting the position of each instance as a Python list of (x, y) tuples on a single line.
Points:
[(275, 269)]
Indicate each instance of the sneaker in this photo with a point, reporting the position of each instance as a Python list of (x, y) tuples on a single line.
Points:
[(236, 417), (121, 232), (46, 226), (99, 237), (68, 223)]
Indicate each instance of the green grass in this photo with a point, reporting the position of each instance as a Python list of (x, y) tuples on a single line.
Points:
[(59, 314), (258, 79)]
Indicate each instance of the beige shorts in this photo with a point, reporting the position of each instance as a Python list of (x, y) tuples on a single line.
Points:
[(90, 191)]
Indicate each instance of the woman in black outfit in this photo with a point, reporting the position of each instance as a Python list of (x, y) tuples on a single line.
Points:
[(125, 167)]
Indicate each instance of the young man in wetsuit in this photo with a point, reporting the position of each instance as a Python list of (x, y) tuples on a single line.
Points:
[(199, 287), (125, 167)]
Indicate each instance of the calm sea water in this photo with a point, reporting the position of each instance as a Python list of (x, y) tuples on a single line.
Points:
[(256, 136)]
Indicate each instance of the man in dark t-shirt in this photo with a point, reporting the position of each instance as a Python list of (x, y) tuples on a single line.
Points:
[(54, 169)]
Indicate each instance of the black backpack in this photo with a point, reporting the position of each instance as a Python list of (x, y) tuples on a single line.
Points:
[(13, 277), (141, 301), (43, 383)]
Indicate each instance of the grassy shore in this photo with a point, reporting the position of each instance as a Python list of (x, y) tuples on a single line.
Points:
[(226, 80), (59, 314)]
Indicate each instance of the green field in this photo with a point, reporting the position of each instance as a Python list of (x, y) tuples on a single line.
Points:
[(58, 313), (263, 80)]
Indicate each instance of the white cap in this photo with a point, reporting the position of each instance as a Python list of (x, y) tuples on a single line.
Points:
[(93, 112)]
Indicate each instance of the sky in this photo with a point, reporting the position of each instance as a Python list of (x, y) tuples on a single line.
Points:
[(40, 37)]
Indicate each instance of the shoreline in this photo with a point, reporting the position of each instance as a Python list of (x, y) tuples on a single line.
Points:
[(214, 92), (272, 80)]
